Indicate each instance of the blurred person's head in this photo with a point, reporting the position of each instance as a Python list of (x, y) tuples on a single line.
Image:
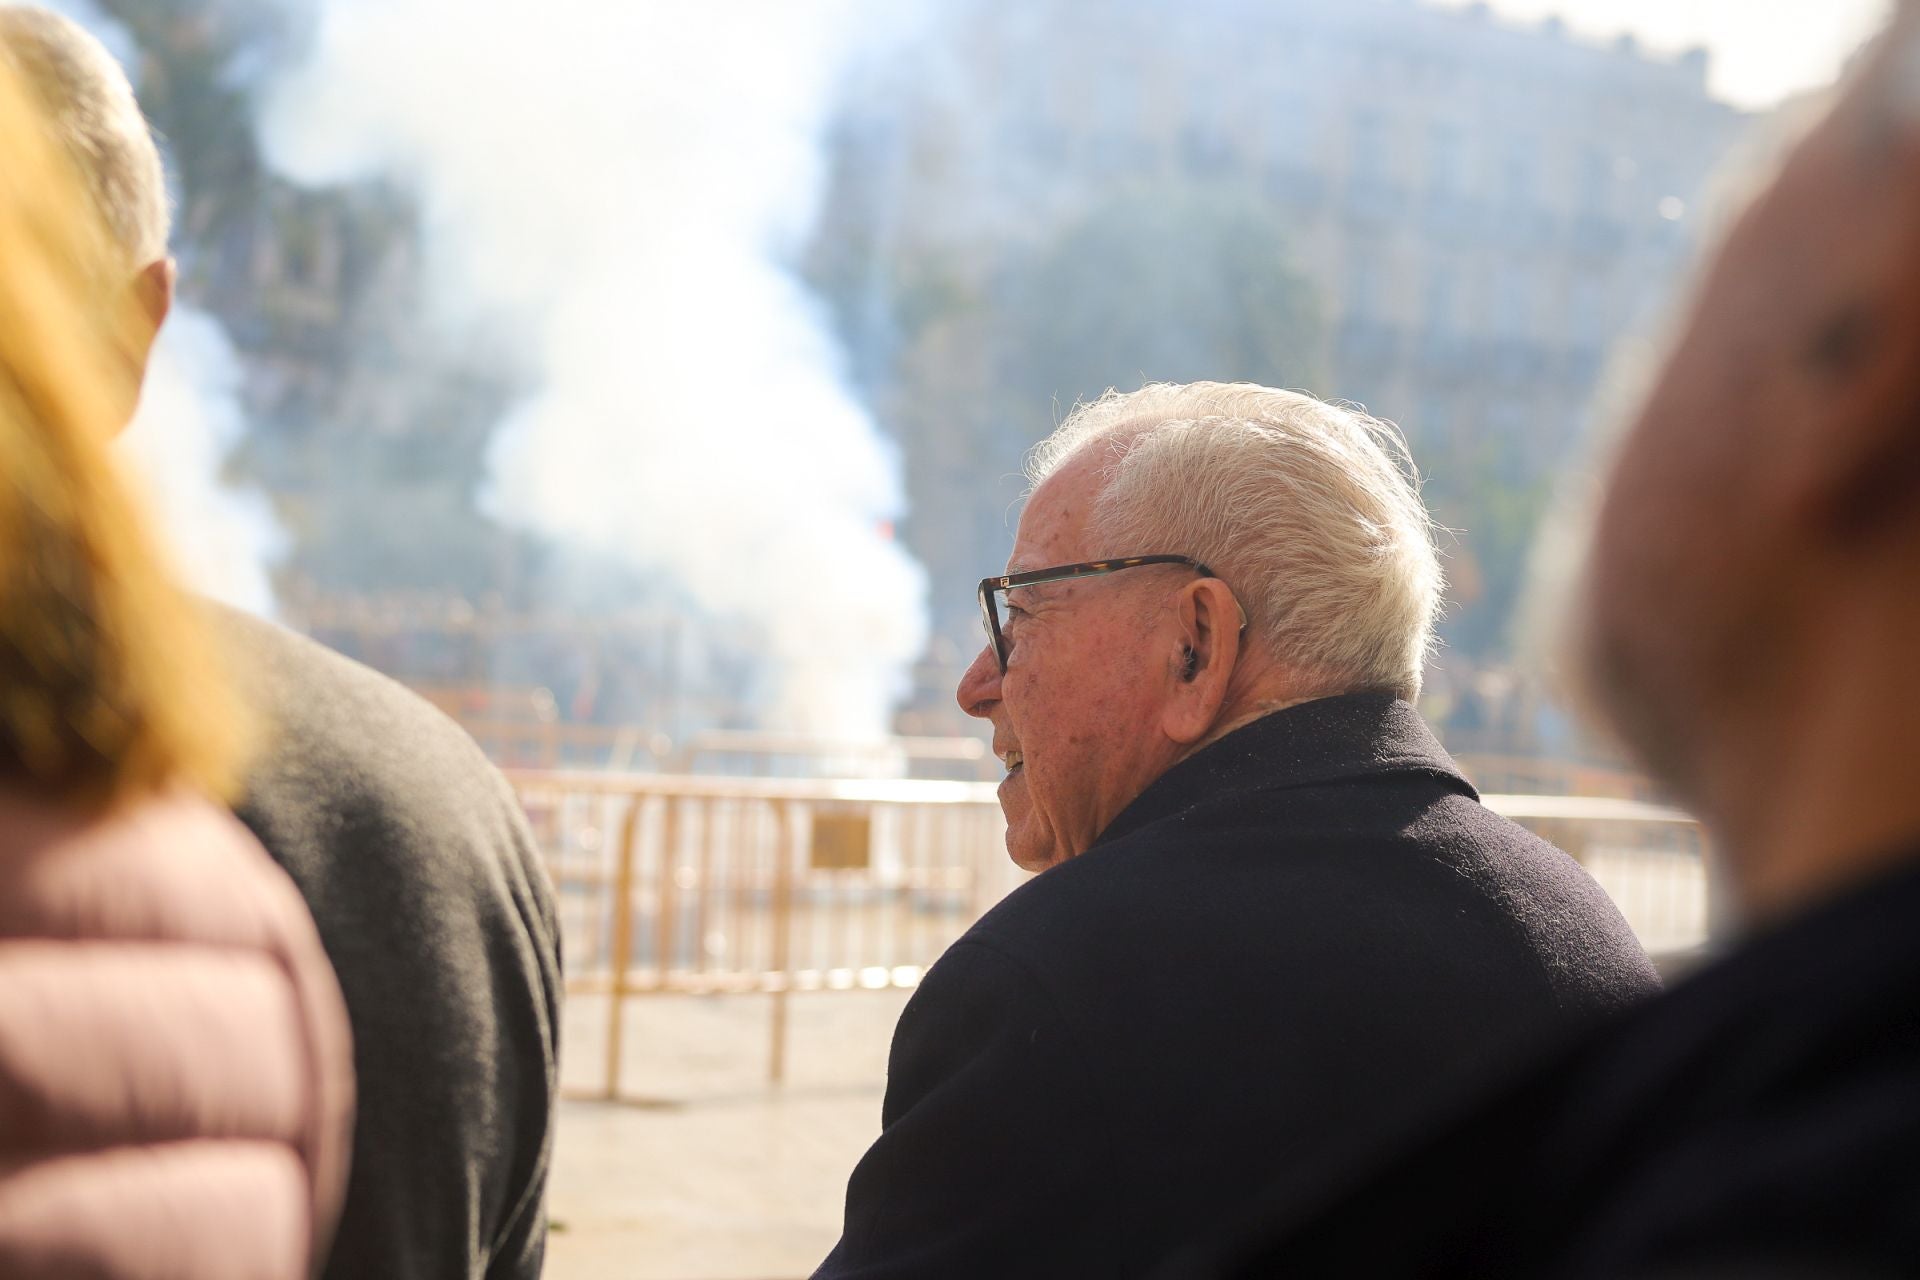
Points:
[(1314, 574), (89, 106), (106, 688), (1750, 615)]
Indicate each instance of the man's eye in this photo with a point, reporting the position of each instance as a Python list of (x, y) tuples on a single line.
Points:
[(1014, 612)]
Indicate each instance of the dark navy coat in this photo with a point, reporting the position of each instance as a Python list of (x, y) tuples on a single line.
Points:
[(1304, 934), (1759, 1122)]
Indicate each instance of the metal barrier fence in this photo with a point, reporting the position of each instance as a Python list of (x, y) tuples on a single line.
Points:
[(760, 754), (678, 884), (1651, 859)]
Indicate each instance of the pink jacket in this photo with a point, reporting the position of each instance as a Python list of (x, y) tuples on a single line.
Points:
[(175, 1070)]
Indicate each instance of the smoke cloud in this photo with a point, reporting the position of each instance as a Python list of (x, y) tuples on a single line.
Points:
[(627, 183)]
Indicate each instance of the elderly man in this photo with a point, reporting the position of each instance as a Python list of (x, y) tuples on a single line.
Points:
[(408, 847), (1750, 622), (1272, 917)]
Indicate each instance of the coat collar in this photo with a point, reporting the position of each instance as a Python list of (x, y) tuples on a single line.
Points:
[(1329, 740)]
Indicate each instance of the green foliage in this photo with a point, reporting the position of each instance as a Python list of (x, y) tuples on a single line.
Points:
[(1496, 520)]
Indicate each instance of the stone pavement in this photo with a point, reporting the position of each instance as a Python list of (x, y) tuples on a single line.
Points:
[(712, 1173)]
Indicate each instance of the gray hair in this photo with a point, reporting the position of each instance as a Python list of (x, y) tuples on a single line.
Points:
[(96, 120), (1310, 512)]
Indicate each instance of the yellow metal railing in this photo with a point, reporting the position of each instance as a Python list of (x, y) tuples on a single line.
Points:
[(678, 884), (687, 884), (756, 753)]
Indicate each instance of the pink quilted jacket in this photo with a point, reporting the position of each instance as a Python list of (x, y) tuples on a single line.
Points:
[(175, 1070)]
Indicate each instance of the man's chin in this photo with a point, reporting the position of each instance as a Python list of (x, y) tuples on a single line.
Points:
[(1027, 854), (1026, 860), (1029, 842)]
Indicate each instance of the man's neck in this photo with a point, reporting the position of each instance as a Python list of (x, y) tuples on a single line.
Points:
[(1274, 690)]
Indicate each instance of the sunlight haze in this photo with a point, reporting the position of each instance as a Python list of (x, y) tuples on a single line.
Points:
[(1763, 50)]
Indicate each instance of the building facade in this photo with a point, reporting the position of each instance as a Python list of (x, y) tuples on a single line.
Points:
[(1483, 209)]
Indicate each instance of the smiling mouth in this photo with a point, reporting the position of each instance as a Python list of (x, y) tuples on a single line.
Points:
[(1014, 761)]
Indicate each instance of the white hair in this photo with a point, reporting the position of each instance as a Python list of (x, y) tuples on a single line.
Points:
[(95, 118), (1309, 511)]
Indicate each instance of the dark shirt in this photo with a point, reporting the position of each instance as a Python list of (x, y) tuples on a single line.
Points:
[(433, 905), (1303, 929), (1760, 1120)]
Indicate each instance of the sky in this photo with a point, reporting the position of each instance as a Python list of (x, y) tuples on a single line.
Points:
[(1762, 50)]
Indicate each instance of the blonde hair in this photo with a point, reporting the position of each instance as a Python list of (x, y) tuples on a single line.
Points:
[(107, 686), (1309, 511), (85, 96)]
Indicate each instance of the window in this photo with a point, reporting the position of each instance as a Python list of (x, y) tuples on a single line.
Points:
[(1520, 175), (1442, 308), (1446, 161), (1367, 157), (1364, 284)]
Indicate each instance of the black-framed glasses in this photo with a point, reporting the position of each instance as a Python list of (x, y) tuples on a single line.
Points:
[(990, 588)]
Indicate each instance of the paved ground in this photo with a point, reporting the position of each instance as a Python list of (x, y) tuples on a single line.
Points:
[(714, 1174)]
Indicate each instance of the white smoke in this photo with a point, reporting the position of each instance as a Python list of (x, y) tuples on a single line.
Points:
[(626, 180), (222, 537)]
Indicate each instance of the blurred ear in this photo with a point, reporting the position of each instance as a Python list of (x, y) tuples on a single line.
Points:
[(1201, 666), (153, 290), (143, 311), (152, 296)]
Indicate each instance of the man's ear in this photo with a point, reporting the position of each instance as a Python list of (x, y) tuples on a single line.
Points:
[(136, 322), (153, 290), (1202, 663)]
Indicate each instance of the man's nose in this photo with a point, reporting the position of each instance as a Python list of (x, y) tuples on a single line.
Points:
[(979, 689)]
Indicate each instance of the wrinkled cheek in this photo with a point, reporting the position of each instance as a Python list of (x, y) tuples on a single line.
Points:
[(1066, 821), (1033, 812), (1041, 829)]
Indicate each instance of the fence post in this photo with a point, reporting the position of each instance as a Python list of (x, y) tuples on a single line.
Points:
[(785, 850), (622, 952), (669, 900)]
